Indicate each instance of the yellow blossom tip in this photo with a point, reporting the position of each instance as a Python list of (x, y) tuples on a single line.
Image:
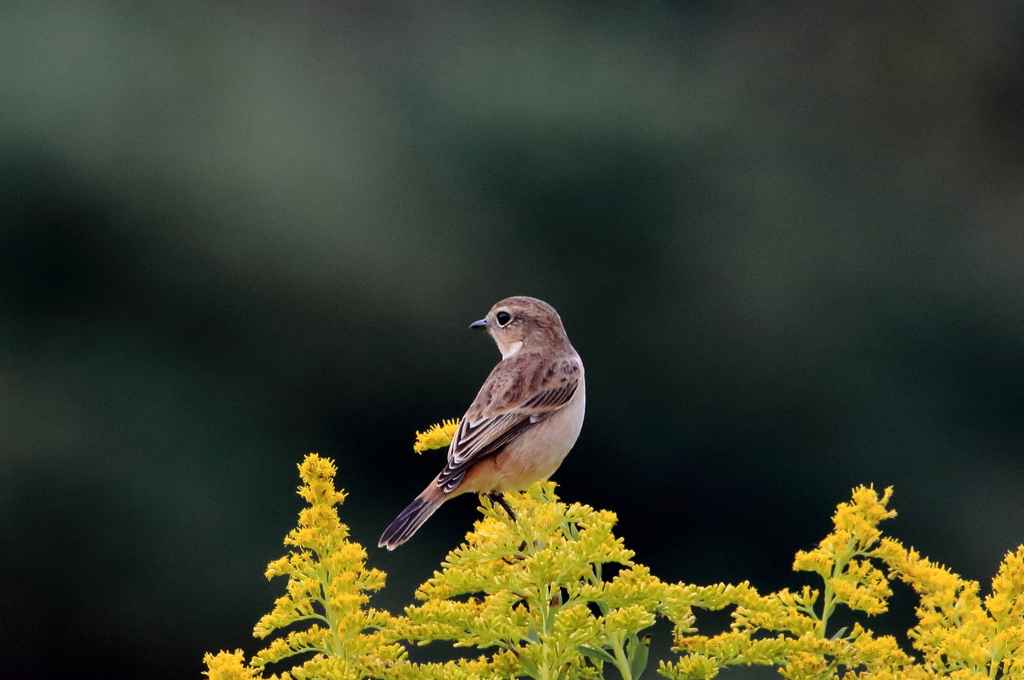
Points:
[(436, 437)]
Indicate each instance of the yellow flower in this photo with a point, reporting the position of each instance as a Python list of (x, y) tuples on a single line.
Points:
[(327, 591), (959, 635), (555, 595), (227, 666), (536, 593), (436, 437)]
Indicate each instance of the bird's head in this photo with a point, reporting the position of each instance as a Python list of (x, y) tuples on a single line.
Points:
[(521, 321)]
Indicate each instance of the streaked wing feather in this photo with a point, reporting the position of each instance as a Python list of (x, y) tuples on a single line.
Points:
[(453, 471), (473, 437), (498, 422), (553, 399)]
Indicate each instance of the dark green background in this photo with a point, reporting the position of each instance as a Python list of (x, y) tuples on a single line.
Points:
[(787, 239)]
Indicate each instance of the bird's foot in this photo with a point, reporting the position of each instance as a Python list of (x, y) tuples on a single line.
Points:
[(499, 498)]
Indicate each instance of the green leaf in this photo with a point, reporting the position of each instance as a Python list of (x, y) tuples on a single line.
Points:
[(570, 531), (549, 617), (637, 652), (839, 634), (595, 654), (529, 666)]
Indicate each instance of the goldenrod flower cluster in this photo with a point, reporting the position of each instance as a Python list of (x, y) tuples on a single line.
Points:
[(959, 635), (553, 594), (436, 437), (533, 589), (327, 587)]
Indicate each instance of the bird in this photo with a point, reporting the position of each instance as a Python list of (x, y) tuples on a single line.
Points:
[(522, 423)]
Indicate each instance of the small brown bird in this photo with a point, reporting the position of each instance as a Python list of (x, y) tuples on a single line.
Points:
[(523, 421)]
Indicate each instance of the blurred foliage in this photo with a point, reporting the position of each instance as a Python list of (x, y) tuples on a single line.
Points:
[(785, 237)]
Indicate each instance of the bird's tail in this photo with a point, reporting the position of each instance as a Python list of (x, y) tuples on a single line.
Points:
[(412, 518)]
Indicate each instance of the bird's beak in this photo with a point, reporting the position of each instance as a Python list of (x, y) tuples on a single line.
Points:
[(482, 323)]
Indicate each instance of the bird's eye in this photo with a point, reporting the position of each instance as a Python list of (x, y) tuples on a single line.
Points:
[(503, 318)]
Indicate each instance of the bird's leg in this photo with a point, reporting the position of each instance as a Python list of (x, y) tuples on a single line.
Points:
[(499, 498)]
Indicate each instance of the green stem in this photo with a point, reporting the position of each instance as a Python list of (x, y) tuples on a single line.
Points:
[(994, 664), (829, 599), (544, 608), (828, 602), (330, 615), (621, 662)]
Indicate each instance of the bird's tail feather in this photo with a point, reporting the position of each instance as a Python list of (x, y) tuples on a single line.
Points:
[(411, 519)]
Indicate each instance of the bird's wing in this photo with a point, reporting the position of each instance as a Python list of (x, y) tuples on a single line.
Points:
[(520, 392)]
